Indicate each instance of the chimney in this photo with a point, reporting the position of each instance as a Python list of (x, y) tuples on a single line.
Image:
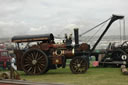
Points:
[(76, 36)]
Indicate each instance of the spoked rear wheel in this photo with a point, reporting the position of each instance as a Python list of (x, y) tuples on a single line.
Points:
[(34, 62), (78, 65)]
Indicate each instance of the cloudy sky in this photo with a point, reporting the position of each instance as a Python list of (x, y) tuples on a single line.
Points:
[(18, 17)]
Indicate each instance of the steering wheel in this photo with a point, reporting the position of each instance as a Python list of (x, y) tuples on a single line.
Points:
[(125, 44)]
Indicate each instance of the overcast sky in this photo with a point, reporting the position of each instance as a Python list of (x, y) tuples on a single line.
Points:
[(18, 17)]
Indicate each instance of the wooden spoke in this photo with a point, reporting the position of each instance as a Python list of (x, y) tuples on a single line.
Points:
[(32, 55), (26, 64), (39, 68), (40, 57), (36, 55), (29, 69), (29, 58)]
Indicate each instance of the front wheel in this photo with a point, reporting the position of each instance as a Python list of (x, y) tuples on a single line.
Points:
[(78, 65)]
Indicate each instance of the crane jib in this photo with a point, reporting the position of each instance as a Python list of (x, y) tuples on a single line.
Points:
[(113, 18)]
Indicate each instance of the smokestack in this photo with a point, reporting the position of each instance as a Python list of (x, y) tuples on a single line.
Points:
[(76, 36)]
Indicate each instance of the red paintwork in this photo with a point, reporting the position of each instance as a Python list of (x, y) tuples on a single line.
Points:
[(9, 84), (5, 84), (95, 63), (4, 59), (57, 46)]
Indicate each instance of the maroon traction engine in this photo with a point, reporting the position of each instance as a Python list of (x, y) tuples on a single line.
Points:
[(36, 54)]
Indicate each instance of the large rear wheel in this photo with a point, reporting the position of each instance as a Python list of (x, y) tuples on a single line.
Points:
[(34, 62)]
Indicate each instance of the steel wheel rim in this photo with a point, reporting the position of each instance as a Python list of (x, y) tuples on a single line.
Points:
[(34, 62)]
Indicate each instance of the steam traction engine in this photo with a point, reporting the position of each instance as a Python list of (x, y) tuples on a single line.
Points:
[(40, 53), (45, 54)]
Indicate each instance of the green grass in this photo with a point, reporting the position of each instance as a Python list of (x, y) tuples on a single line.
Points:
[(94, 76)]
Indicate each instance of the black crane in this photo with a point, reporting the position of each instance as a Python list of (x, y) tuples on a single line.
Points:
[(112, 19)]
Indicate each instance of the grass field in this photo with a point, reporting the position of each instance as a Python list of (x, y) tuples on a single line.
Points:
[(94, 76)]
